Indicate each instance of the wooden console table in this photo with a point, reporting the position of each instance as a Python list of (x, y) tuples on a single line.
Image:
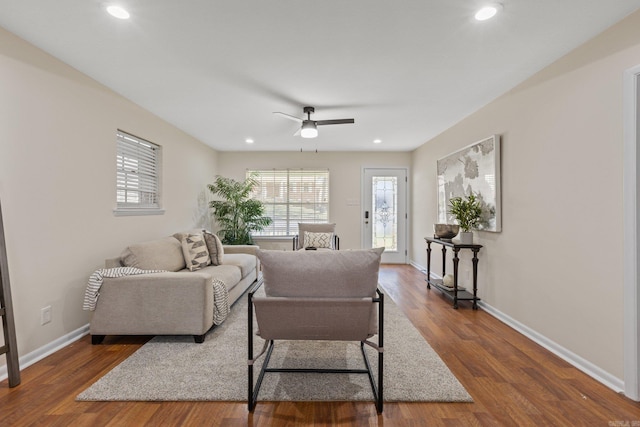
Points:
[(455, 294)]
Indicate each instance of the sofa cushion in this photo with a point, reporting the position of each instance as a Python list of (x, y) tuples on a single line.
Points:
[(160, 254), (318, 240), (214, 245), (320, 273), (229, 274), (246, 262), (194, 249)]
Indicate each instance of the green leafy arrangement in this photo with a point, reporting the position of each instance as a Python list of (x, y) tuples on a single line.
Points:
[(237, 214), (467, 211)]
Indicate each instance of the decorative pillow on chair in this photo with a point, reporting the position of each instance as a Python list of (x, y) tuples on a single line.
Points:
[(318, 240), (195, 252), (214, 245)]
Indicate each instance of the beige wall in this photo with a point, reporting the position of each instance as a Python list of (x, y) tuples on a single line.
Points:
[(345, 173), (557, 265), (57, 184)]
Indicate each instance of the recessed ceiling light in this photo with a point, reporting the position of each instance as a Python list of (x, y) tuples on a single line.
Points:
[(377, 141), (118, 12), (488, 12), (249, 141)]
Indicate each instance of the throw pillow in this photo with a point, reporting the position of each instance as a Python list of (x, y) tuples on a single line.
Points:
[(159, 254), (195, 252), (214, 245), (318, 240)]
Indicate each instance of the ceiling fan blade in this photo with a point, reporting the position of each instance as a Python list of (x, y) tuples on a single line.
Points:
[(288, 116), (298, 132), (335, 122)]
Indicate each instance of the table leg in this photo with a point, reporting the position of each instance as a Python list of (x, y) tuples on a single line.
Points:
[(475, 279), (455, 277), (444, 261), (428, 264)]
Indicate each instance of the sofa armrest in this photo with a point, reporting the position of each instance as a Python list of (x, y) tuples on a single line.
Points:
[(241, 249), (159, 303)]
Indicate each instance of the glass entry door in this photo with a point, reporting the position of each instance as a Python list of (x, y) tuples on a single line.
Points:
[(384, 216)]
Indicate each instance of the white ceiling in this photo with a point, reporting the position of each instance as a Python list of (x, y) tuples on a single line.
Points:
[(404, 70)]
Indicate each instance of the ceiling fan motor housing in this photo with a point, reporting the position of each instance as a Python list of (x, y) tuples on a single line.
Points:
[(309, 127)]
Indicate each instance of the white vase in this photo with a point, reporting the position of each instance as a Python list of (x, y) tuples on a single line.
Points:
[(466, 237)]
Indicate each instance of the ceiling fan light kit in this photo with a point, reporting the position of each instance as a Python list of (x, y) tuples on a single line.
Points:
[(118, 12), (488, 12), (309, 127)]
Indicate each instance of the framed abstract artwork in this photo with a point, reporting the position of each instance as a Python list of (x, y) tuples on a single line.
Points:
[(475, 168)]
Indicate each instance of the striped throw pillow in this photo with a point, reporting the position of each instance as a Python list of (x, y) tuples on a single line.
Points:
[(196, 255), (214, 245)]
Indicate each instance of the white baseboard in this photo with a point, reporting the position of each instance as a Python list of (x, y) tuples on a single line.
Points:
[(616, 384), (418, 266), (44, 351), (578, 362)]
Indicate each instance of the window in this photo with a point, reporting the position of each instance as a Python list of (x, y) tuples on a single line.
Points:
[(137, 176), (291, 196)]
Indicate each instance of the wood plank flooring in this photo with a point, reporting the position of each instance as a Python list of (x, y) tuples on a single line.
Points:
[(513, 381)]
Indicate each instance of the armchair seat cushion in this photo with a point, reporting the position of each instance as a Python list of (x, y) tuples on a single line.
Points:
[(346, 319)]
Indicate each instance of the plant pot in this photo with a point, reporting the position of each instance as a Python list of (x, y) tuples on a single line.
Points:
[(466, 237)]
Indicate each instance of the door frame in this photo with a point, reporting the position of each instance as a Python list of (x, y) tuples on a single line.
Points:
[(406, 207), (631, 210)]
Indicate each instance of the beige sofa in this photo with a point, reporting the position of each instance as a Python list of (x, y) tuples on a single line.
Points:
[(176, 302)]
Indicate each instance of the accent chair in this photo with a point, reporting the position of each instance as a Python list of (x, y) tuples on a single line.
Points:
[(320, 236), (317, 295)]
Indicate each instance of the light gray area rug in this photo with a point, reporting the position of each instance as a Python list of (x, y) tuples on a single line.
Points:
[(174, 368)]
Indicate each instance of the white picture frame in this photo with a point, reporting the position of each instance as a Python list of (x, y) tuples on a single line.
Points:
[(475, 168)]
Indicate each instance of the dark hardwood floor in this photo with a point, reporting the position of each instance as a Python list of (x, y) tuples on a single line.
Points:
[(513, 381)]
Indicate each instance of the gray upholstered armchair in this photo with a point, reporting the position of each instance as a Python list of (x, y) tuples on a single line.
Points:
[(322, 236), (317, 295)]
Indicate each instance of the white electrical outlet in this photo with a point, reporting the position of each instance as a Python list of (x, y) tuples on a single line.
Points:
[(45, 315)]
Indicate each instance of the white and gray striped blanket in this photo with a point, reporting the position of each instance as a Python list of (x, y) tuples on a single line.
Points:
[(92, 292), (220, 301)]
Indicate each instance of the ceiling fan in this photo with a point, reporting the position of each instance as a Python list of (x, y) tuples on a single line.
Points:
[(309, 127)]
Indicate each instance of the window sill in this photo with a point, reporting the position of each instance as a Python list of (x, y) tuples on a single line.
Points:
[(137, 212)]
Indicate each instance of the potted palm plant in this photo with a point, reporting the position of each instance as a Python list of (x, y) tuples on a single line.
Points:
[(467, 212), (237, 214)]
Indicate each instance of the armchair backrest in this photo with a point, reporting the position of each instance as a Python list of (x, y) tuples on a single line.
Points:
[(318, 295), (333, 274)]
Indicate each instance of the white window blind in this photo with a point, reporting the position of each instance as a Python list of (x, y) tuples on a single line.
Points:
[(291, 196), (137, 176)]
